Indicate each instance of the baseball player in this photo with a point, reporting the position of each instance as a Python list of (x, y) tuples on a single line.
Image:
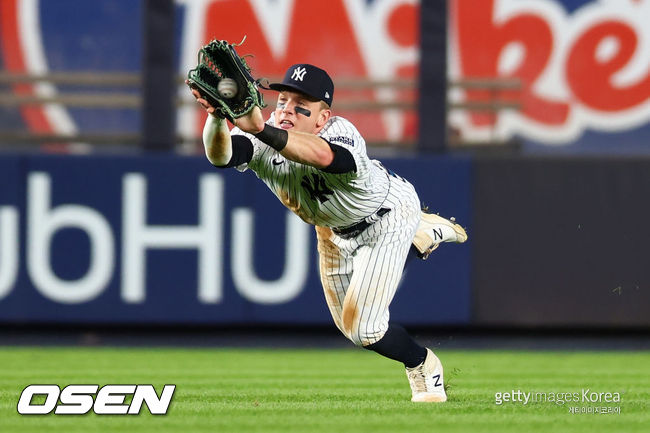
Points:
[(367, 217)]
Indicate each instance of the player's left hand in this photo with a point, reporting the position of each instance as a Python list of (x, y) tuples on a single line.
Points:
[(217, 61), (201, 100)]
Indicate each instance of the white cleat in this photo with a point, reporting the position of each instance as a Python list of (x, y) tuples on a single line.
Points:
[(434, 230), (442, 229), (426, 380)]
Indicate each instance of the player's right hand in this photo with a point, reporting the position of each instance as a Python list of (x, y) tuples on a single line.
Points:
[(253, 122)]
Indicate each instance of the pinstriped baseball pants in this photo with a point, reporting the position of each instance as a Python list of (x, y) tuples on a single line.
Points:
[(360, 275)]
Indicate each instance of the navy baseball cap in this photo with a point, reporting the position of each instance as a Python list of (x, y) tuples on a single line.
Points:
[(307, 79)]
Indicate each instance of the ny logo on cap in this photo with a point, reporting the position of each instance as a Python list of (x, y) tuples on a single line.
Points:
[(298, 73)]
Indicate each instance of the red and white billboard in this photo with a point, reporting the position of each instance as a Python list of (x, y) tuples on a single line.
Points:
[(583, 66), (375, 40)]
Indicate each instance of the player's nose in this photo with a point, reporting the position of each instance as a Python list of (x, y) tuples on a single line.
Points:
[(288, 108)]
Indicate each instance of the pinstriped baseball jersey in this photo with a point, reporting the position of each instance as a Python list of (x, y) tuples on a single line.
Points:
[(359, 274), (320, 198)]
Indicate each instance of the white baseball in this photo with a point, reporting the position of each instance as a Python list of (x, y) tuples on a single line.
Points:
[(227, 88)]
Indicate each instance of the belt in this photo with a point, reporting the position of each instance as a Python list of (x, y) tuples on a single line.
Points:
[(356, 229)]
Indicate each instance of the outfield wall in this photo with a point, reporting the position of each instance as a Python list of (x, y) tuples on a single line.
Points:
[(562, 242), (171, 240)]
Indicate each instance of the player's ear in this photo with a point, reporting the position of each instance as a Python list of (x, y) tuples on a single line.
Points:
[(323, 116)]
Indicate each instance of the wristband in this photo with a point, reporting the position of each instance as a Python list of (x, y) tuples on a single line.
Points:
[(274, 137)]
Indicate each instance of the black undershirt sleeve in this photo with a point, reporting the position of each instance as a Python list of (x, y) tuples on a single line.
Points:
[(343, 161), (242, 151)]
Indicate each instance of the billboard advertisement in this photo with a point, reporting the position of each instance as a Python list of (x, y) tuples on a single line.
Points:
[(584, 69), (583, 65), (167, 239), (352, 40)]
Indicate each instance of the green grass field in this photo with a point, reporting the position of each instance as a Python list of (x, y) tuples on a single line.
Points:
[(228, 390)]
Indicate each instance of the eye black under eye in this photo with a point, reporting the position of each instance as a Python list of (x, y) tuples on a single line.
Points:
[(302, 110)]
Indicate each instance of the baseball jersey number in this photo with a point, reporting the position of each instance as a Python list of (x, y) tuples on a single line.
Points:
[(316, 187)]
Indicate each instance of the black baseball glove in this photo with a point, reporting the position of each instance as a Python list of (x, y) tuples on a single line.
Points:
[(219, 60)]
